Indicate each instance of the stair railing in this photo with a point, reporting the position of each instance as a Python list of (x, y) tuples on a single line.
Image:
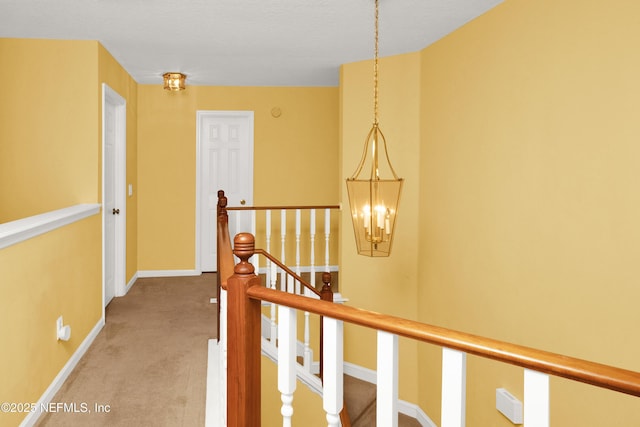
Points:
[(245, 219), (299, 242), (277, 275), (246, 295)]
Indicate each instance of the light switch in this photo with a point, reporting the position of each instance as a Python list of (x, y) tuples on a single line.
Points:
[(130, 190)]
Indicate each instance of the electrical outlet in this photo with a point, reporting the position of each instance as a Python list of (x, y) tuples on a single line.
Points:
[(509, 406), (63, 333)]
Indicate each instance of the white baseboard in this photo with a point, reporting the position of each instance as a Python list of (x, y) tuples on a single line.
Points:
[(62, 376), (404, 407), (130, 284), (167, 273), (361, 373), (416, 412)]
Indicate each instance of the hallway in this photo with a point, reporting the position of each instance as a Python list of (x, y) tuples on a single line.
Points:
[(148, 366)]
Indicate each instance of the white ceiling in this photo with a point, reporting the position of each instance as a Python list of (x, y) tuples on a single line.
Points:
[(240, 42)]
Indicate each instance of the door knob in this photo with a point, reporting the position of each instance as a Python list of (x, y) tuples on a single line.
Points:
[(116, 211), (243, 201)]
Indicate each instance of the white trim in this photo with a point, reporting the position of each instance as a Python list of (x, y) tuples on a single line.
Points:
[(167, 273), (131, 283), (112, 97), (414, 411), (361, 373), (62, 376), (213, 415), (23, 229)]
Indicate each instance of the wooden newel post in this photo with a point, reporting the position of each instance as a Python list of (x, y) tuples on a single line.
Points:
[(326, 294), (220, 219), (243, 340)]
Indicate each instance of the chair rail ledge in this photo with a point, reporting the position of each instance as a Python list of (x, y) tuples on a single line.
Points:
[(23, 229)]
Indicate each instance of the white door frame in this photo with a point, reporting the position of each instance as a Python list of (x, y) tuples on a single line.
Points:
[(200, 115), (109, 96)]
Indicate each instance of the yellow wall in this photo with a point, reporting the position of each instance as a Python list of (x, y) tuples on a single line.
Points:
[(48, 119), (525, 199), (50, 154), (387, 285), (58, 273), (517, 138), (301, 143), (529, 200)]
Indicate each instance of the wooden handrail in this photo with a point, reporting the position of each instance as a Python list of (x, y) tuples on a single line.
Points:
[(225, 250), (596, 374), (287, 270), (273, 208)]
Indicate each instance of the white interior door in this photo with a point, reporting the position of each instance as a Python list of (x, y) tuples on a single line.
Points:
[(113, 194), (225, 162)]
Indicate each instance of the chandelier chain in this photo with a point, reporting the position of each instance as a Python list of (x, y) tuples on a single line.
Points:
[(375, 69)]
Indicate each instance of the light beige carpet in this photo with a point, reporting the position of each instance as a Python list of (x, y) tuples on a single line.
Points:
[(148, 366)]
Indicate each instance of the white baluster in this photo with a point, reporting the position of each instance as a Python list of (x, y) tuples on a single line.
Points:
[(312, 239), (291, 284), (327, 233), (268, 230), (267, 236), (297, 250), (332, 396), (306, 357), (238, 222), (223, 325), (286, 361), (454, 380), (387, 380), (273, 274), (254, 260), (238, 229), (283, 238), (223, 346), (536, 399)]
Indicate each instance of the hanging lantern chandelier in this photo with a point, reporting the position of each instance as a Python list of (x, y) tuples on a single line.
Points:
[(374, 197)]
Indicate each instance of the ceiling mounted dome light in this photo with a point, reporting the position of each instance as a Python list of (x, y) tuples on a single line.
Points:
[(174, 81), (374, 198)]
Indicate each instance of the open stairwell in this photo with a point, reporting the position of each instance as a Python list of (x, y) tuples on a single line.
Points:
[(359, 394), (242, 299), (360, 401)]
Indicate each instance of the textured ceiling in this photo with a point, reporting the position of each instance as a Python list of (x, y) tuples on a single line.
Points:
[(240, 42)]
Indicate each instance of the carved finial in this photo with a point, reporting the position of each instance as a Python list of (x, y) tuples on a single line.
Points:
[(244, 245), (222, 204), (326, 294), (326, 278)]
